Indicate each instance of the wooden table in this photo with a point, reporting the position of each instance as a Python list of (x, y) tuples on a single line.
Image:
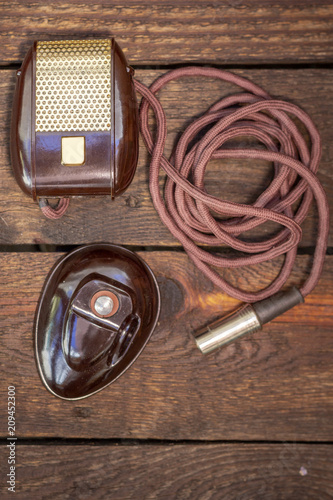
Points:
[(251, 421)]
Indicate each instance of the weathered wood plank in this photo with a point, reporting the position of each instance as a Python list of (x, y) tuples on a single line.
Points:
[(228, 471), (131, 219), (273, 385), (171, 32)]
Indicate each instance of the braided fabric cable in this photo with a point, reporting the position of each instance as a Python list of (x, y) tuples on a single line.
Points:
[(54, 213), (192, 215)]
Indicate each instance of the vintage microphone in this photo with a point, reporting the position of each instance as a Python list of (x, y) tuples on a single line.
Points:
[(75, 132)]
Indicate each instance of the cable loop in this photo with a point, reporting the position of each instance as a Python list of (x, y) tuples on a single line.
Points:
[(194, 217), (54, 213)]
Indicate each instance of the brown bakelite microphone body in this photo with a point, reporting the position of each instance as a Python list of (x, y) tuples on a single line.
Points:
[(98, 308), (75, 122)]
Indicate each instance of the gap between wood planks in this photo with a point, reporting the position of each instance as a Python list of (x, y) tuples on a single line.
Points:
[(153, 442), (49, 248)]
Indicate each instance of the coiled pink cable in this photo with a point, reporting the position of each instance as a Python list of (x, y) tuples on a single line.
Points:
[(56, 212), (190, 212)]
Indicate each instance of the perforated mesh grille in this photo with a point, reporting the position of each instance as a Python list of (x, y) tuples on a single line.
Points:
[(73, 86)]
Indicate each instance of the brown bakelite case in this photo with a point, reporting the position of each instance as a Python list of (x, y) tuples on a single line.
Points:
[(79, 347), (74, 89)]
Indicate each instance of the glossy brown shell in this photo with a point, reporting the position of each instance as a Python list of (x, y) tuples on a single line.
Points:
[(111, 157), (79, 352)]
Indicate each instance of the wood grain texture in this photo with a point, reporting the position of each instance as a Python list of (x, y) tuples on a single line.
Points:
[(183, 472), (273, 385), (131, 219), (171, 31)]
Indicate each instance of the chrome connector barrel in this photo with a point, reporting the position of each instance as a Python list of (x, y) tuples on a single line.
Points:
[(247, 319), (227, 329)]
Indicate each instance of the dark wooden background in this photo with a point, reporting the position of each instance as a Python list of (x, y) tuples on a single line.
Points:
[(251, 421)]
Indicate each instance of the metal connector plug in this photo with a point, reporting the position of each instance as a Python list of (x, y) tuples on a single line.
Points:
[(248, 319), (227, 329)]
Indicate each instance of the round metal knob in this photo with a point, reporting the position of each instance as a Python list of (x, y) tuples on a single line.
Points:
[(103, 305)]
